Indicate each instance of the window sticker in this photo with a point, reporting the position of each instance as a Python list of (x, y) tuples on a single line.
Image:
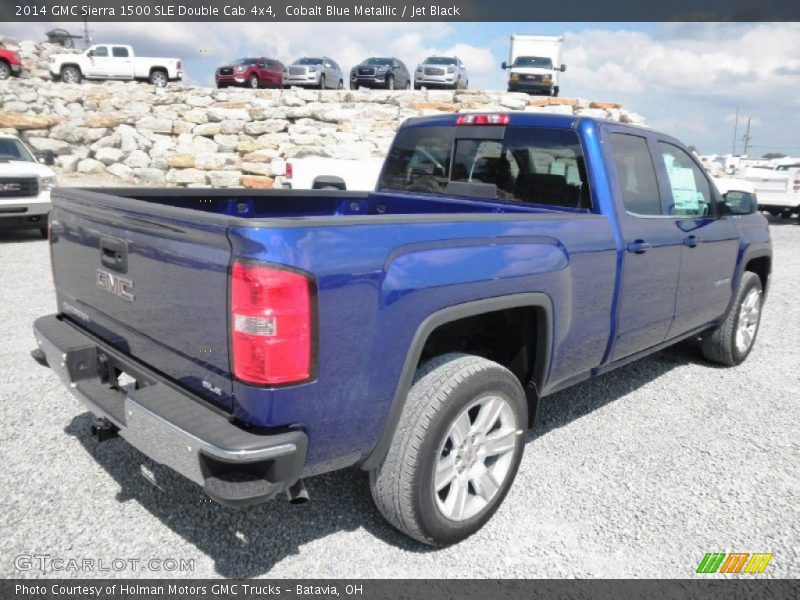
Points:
[(688, 200)]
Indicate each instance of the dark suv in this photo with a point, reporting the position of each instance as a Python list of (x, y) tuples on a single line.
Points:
[(388, 73), (251, 72)]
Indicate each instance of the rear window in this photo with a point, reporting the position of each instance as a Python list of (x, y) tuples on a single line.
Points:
[(119, 52), (533, 165)]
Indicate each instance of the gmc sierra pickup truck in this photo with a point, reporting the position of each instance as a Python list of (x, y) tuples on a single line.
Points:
[(250, 339)]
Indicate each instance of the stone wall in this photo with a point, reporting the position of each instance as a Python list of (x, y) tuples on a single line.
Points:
[(184, 135)]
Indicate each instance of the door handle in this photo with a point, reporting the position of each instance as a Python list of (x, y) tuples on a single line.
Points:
[(639, 246), (691, 241)]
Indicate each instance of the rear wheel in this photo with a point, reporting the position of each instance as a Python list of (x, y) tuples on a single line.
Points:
[(455, 452), (71, 75), (341, 85), (732, 340), (5, 70), (159, 79)]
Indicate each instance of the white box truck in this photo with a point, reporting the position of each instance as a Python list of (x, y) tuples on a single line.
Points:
[(534, 64)]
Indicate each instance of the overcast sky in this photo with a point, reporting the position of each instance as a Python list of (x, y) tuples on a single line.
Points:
[(686, 79)]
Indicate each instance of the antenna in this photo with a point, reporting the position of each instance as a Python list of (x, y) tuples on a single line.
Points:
[(735, 131)]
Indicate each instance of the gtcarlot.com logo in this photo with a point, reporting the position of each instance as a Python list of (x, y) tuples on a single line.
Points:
[(47, 563), (734, 562)]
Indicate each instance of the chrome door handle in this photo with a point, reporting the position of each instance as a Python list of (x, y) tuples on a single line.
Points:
[(639, 246), (691, 241)]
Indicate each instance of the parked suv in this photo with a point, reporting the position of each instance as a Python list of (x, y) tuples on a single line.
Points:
[(389, 73), (25, 186), (315, 72), (9, 64), (441, 71), (251, 72)]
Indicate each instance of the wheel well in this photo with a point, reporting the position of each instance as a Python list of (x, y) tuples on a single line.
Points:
[(761, 266), (154, 69), (70, 65), (510, 337)]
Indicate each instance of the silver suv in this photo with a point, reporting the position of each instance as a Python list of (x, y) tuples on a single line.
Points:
[(314, 72), (441, 71)]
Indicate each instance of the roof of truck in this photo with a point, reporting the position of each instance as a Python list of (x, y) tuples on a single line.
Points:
[(525, 119)]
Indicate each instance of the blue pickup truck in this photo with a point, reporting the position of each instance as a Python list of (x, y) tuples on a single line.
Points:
[(250, 339)]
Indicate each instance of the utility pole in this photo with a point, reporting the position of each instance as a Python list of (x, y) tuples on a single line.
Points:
[(87, 34), (746, 137), (735, 132)]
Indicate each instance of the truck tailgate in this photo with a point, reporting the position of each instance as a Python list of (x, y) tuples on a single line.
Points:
[(156, 287)]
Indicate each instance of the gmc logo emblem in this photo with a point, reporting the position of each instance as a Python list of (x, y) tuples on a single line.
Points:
[(10, 187), (114, 284)]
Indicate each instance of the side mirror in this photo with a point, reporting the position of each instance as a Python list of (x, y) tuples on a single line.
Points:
[(504, 65), (738, 203), (563, 68), (47, 158)]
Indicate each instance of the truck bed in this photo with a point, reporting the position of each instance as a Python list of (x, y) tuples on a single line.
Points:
[(275, 204)]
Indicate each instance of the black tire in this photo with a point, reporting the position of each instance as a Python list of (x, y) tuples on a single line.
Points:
[(353, 86), (222, 86), (252, 81), (5, 70), (719, 344), (43, 232), (322, 82), (71, 74), (555, 91), (159, 78), (417, 87), (403, 484), (408, 85), (390, 82)]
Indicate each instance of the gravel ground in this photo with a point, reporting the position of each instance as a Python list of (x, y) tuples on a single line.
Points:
[(636, 474)]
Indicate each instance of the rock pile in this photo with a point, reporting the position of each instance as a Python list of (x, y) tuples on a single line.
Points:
[(194, 136)]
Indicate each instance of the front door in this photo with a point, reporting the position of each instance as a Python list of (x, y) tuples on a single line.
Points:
[(710, 242), (652, 249)]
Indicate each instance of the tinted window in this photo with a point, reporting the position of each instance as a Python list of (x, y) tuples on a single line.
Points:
[(637, 175), (101, 51), (440, 60), (308, 61), (419, 160), (535, 165), (378, 61), (119, 52), (691, 192)]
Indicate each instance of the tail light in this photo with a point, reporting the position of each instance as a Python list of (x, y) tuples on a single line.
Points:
[(797, 182), (476, 119), (289, 170), (271, 323), (180, 66)]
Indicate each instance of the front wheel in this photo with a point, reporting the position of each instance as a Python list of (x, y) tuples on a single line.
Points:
[(253, 81), (390, 82), (5, 70), (732, 340), (455, 452), (322, 82)]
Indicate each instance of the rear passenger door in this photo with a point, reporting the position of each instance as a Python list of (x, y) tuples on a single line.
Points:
[(121, 63), (709, 241), (652, 247)]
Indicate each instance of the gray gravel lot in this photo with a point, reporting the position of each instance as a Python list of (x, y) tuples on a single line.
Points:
[(635, 474)]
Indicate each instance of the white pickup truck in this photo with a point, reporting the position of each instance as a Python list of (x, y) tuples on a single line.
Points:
[(25, 186), (778, 188), (114, 61)]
